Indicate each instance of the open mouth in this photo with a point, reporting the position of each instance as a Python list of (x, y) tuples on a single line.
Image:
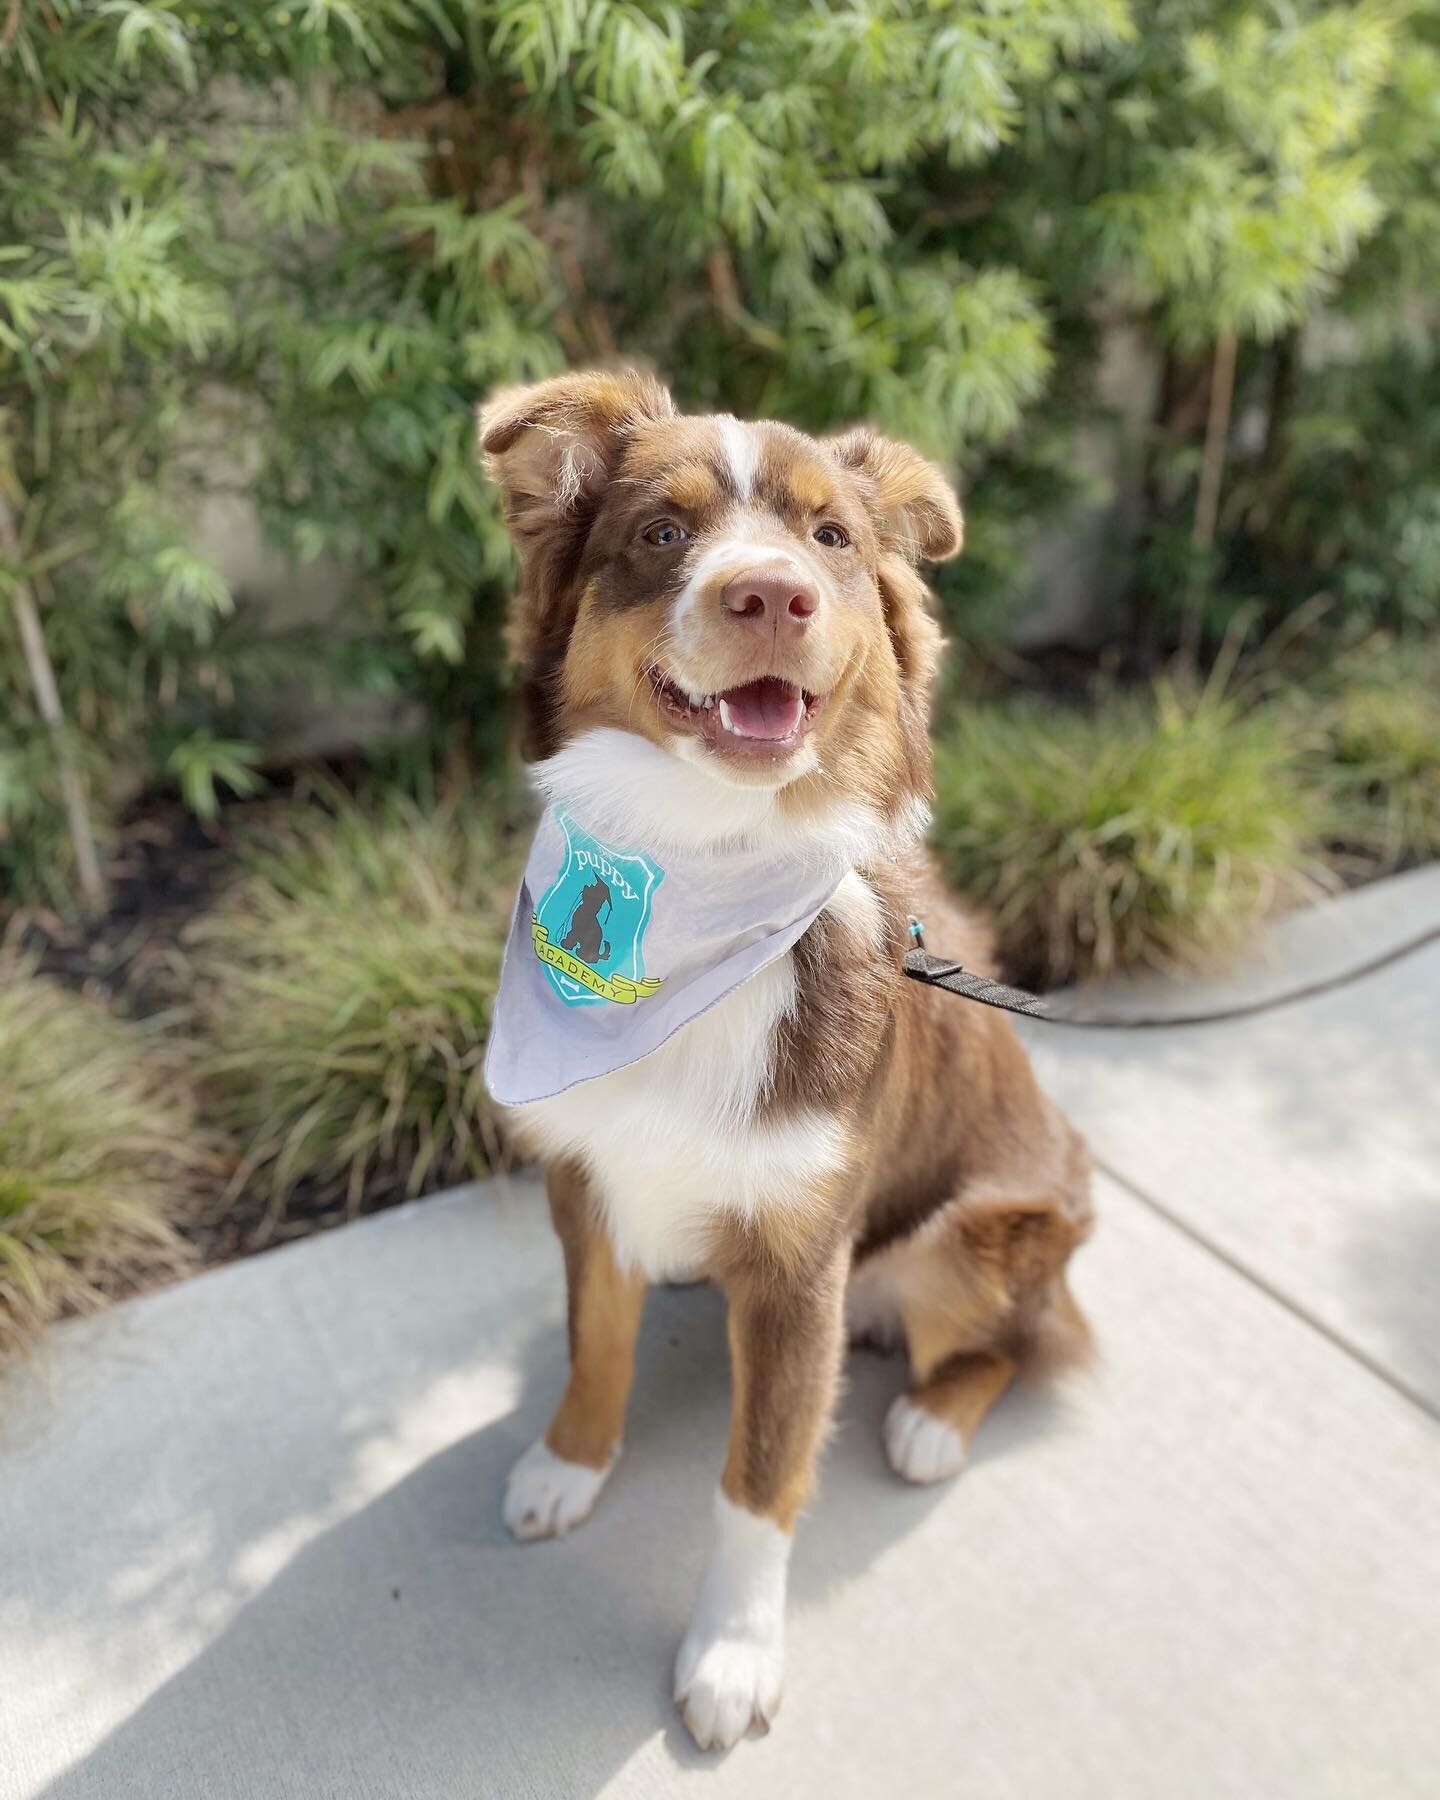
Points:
[(764, 719)]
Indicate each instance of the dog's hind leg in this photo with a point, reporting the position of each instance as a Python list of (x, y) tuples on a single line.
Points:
[(983, 1295), (928, 1430)]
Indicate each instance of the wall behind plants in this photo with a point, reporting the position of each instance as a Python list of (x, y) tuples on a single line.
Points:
[(318, 231)]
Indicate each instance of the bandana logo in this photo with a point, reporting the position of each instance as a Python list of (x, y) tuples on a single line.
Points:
[(589, 928)]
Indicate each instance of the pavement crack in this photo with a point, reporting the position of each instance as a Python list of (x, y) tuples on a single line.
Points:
[(1396, 1383)]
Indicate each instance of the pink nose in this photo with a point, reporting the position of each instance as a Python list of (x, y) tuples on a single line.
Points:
[(775, 598)]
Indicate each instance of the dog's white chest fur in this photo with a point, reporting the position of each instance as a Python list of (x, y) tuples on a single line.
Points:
[(672, 1143)]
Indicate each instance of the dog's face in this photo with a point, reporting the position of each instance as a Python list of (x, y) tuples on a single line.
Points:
[(742, 596)]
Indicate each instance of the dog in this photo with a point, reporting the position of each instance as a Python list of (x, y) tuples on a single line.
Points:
[(725, 652)]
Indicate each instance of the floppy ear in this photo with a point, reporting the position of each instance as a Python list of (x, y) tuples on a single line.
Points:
[(918, 518), (914, 504), (552, 449), (917, 643)]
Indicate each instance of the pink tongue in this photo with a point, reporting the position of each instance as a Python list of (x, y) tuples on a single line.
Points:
[(764, 709)]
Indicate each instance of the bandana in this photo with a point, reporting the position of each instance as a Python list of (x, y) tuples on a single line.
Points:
[(611, 950)]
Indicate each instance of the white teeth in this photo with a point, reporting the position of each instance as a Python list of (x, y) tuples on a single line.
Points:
[(700, 701), (726, 720)]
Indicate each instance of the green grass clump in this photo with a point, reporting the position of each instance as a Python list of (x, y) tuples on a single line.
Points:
[(1380, 722), (98, 1153), (346, 987), (1152, 832)]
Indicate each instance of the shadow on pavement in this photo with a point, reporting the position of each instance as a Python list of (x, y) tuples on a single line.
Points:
[(413, 1650)]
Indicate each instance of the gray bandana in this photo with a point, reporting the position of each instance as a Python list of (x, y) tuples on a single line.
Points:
[(612, 950)]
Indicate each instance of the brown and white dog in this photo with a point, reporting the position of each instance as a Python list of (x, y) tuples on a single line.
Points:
[(722, 639)]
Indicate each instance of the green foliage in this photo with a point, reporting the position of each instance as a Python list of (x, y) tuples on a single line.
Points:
[(1248, 187), (1345, 508), (1239, 172), (203, 760), (346, 987), (1150, 832), (1380, 718), (283, 248), (98, 1150)]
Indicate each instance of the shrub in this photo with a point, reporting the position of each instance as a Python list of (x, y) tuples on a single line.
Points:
[(283, 248), (1150, 832), (1341, 504), (346, 986), (98, 1153), (1381, 726)]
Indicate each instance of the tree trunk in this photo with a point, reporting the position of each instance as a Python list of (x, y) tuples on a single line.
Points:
[(1212, 476), (1217, 432), (1284, 384), (1179, 411), (47, 701)]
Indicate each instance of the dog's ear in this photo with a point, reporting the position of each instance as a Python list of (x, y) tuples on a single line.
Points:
[(916, 640), (913, 504), (552, 449), (918, 520)]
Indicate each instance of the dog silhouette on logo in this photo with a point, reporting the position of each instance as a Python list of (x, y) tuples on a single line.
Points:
[(583, 935)]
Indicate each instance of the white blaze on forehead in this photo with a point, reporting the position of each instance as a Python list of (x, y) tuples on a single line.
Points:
[(741, 445)]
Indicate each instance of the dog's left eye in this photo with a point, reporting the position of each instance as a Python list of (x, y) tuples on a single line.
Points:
[(831, 536), (665, 534)]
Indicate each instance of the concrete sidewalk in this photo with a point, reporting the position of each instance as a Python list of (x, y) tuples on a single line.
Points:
[(250, 1540)]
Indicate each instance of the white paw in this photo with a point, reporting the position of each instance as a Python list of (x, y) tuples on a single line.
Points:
[(731, 1666), (726, 1685), (920, 1446), (546, 1495)]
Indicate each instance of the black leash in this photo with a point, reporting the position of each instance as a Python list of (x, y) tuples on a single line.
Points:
[(935, 971)]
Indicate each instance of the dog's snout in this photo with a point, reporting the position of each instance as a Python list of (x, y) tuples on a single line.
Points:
[(778, 597)]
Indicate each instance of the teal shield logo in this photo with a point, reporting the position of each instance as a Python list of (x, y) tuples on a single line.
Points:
[(589, 927)]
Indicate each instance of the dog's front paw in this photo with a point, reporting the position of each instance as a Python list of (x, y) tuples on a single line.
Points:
[(727, 1684), (545, 1495), (920, 1446)]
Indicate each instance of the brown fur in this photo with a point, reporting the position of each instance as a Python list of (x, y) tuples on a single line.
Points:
[(968, 1192), (786, 1338), (962, 1389), (603, 1318)]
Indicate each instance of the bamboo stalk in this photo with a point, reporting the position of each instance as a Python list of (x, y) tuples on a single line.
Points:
[(1212, 476), (47, 701), (1217, 431)]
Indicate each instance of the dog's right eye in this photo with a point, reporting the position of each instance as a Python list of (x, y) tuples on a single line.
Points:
[(665, 534)]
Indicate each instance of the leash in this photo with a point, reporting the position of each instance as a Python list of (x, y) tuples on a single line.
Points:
[(935, 971)]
